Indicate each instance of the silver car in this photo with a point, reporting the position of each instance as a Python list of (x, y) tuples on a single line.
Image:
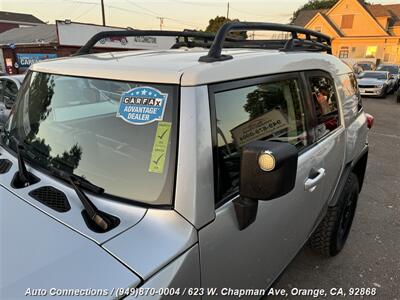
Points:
[(376, 83), (194, 173)]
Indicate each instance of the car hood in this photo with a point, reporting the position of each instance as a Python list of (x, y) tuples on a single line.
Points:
[(145, 241), (38, 252), (128, 214), (370, 81)]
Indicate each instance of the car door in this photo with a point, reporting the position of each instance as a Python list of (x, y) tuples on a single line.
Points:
[(276, 108)]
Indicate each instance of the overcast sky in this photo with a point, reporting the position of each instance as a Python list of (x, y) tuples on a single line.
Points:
[(177, 14)]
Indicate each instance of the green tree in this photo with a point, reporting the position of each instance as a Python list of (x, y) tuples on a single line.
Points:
[(218, 21), (317, 4)]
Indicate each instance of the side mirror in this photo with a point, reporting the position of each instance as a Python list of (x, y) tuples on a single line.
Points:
[(392, 76), (267, 171)]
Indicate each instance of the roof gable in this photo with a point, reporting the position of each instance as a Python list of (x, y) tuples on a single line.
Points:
[(322, 20), (368, 25)]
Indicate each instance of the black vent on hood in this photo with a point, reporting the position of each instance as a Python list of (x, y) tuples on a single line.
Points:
[(52, 198), (5, 166)]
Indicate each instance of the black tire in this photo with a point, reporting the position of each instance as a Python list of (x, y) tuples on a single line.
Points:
[(331, 234)]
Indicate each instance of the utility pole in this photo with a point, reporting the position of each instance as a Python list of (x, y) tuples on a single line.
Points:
[(161, 22), (102, 13), (227, 11)]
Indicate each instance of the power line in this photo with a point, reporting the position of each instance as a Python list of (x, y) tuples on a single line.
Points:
[(259, 15), (85, 12)]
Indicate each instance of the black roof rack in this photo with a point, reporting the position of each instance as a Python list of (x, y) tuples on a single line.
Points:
[(85, 49), (313, 41)]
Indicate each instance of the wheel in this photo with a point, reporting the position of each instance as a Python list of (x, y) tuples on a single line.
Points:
[(331, 234), (384, 93)]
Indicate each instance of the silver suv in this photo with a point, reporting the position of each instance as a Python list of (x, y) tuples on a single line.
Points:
[(186, 172)]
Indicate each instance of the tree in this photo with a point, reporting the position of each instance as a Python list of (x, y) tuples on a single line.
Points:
[(316, 4), (217, 22)]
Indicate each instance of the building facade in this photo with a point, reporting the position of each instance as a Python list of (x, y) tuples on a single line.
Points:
[(358, 31)]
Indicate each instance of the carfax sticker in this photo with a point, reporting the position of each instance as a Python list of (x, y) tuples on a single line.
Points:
[(142, 105), (160, 147)]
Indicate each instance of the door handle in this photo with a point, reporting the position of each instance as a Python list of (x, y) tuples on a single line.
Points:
[(311, 183)]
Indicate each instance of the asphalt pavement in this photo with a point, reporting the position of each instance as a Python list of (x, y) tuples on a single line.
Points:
[(371, 257)]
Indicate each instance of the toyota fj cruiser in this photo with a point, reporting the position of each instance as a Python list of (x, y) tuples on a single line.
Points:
[(187, 168)]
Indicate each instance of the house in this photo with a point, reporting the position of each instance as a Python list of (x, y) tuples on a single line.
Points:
[(358, 31), (10, 20)]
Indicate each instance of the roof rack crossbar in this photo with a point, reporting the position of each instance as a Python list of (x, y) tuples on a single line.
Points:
[(214, 54), (307, 45), (85, 49)]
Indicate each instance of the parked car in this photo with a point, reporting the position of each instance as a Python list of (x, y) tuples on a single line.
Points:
[(213, 169), (394, 71), (9, 86), (362, 66), (375, 83)]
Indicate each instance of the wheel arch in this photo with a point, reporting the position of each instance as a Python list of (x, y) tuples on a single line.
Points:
[(358, 167)]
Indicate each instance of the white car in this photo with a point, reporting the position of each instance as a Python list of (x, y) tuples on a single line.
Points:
[(375, 83)]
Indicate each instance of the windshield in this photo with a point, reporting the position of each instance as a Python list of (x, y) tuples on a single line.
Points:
[(390, 69), (375, 75), (365, 66), (120, 136)]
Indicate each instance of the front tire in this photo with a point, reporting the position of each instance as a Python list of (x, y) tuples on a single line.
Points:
[(330, 236)]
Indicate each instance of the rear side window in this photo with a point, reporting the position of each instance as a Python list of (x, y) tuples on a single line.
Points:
[(352, 103), (266, 111), (325, 103)]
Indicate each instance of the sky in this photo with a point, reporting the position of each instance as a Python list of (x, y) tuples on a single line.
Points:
[(174, 14)]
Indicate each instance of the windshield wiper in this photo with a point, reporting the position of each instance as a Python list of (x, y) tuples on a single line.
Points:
[(83, 182), (101, 219)]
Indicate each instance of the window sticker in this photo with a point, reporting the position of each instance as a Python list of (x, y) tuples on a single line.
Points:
[(160, 148), (270, 123), (142, 105)]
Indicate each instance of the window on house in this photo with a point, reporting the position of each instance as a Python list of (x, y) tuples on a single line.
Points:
[(344, 52), (318, 29), (386, 57), (347, 21), (371, 52)]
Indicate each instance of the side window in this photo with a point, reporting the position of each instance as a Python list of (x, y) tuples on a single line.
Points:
[(352, 103), (325, 102), (267, 111)]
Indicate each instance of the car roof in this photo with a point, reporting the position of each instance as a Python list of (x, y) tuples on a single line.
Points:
[(182, 65)]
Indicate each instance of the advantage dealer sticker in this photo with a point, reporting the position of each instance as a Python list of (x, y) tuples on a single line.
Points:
[(142, 105)]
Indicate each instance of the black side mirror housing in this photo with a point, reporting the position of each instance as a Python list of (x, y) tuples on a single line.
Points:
[(267, 171)]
